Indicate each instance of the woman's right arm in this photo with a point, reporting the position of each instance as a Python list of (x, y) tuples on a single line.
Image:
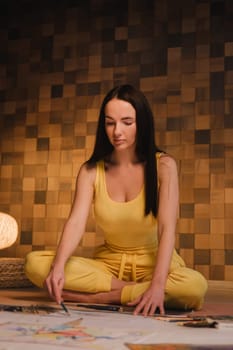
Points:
[(73, 230)]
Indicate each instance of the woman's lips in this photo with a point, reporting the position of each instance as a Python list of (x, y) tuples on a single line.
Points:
[(118, 141)]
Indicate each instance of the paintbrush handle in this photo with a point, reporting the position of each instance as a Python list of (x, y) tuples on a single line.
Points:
[(101, 307)]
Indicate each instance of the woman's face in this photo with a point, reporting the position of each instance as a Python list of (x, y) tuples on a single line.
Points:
[(120, 124)]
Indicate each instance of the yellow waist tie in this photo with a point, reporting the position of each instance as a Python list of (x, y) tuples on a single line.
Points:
[(134, 276), (122, 266), (130, 255), (133, 266)]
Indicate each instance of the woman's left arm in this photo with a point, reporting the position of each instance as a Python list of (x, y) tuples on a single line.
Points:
[(153, 297)]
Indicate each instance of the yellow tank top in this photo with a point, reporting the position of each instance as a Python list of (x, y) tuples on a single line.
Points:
[(124, 224)]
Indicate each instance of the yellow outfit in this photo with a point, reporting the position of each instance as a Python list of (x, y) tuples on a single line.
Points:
[(129, 253)]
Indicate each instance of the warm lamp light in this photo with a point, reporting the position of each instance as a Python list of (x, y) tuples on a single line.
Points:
[(8, 230)]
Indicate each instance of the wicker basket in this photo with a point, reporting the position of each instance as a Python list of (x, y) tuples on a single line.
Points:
[(12, 273)]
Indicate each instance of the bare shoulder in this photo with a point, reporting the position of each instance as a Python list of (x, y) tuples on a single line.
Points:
[(168, 161), (87, 173), (167, 165)]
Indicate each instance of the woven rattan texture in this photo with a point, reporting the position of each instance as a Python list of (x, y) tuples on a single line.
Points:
[(59, 58), (12, 273)]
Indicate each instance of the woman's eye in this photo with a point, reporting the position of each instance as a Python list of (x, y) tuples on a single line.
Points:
[(109, 123), (125, 122)]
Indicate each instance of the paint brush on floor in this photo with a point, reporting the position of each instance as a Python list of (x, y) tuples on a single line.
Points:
[(65, 308)]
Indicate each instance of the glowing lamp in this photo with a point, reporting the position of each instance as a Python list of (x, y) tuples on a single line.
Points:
[(8, 230)]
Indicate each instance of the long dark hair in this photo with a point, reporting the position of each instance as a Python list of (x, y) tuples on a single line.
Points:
[(145, 140)]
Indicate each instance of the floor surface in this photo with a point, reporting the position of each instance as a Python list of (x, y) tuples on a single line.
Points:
[(107, 330)]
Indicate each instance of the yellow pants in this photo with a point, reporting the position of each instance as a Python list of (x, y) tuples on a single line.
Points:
[(185, 288)]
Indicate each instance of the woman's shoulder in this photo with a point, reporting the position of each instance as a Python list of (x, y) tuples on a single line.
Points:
[(88, 171), (167, 163)]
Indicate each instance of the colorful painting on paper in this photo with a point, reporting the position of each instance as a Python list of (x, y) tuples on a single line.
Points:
[(67, 334)]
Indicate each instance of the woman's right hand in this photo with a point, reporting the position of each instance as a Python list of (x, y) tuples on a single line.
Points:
[(54, 283)]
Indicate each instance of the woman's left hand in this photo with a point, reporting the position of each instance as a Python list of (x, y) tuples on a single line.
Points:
[(149, 301)]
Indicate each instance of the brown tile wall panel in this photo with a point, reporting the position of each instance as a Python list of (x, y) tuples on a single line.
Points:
[(57, 61)]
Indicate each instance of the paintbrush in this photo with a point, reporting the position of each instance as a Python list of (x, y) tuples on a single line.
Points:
[(65, 308)]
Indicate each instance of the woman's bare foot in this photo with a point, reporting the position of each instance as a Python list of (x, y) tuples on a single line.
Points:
[(111, 297)]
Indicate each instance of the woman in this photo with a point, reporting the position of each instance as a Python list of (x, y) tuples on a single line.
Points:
[(134, 187)]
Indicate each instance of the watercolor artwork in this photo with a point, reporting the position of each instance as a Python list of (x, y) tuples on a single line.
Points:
[(82, 331), (98, 330)]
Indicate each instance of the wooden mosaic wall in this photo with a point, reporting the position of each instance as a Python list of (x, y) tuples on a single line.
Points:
[(57, 61)]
